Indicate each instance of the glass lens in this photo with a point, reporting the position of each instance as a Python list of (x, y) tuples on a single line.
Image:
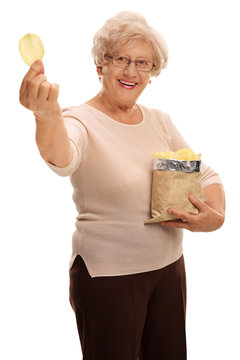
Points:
[(144, 65), (121, 60), (141, 64)]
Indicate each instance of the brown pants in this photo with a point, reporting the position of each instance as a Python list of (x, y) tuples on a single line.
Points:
[(130, 317)]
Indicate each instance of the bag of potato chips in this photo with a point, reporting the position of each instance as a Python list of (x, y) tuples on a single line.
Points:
[(176, 175)]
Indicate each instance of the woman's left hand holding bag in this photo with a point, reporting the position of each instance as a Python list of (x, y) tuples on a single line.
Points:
[(211, 212)]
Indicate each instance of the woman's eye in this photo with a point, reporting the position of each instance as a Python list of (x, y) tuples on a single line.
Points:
[(121, 58), (142, 62)]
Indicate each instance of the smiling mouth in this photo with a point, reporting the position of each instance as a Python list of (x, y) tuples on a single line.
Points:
[(127, 84)]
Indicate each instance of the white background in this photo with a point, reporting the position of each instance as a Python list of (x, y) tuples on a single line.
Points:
[(199, 89)]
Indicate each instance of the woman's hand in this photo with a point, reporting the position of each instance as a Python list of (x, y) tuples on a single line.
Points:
[(40, 96), (208, 219)]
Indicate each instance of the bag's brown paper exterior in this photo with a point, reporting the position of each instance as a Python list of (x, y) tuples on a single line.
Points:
[(170, 189)]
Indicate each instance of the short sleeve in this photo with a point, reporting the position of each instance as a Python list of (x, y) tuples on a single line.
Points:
[(77, 134), (209, 176)]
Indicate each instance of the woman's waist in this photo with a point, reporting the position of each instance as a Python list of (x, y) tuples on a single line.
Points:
[(121, 226), (113, 217)]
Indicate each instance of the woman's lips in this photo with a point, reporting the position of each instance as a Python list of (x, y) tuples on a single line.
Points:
[(127, 84)]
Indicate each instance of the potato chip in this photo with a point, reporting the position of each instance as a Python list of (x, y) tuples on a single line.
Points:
[(164, 155), (181, 154), (31, 48)]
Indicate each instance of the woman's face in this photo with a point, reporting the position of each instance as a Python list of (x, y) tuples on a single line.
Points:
[(112, 76)]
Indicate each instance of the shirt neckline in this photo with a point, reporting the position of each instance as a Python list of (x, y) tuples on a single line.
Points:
[(118, 122)]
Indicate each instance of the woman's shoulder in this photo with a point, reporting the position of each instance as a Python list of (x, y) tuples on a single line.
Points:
[(75, 109), (78, 112), (156, 115), (76, 115)]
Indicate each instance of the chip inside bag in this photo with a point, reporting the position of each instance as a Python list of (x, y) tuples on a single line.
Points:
[(176, 175)]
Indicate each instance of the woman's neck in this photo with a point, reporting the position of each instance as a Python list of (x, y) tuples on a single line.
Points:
[(114, 105), (124, 113)]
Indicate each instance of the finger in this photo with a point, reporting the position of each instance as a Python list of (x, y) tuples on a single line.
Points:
[(34, 84), (36, 68), (53, 93), (180, 214), (199, 204), (43, 91)]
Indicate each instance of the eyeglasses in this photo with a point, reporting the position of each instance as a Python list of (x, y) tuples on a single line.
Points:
[(123, 62)]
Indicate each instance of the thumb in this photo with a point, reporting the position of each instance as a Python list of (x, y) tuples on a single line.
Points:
[(38, 67), (197, 202)]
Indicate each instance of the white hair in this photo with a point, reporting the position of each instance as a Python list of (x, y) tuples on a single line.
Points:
[(124, 27)]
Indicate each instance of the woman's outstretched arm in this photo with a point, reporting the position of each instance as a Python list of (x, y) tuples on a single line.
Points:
[(40, 96)]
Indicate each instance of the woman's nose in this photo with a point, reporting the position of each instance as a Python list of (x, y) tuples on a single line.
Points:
[(131, 68)]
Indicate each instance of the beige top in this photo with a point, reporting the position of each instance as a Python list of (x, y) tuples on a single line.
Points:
[(111, 175)]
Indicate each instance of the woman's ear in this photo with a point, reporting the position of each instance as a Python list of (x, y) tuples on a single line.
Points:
[(150, 81), (99, 70)]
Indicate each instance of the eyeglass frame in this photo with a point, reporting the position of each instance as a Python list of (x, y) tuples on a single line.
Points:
[(129, 62)]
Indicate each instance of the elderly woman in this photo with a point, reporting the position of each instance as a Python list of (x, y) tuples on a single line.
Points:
[(127, 279)]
